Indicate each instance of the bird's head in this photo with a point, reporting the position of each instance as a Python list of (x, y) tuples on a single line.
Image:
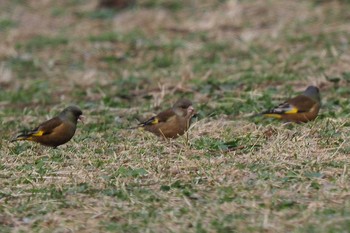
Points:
[(183, 107), (313, 92), (72, 113)]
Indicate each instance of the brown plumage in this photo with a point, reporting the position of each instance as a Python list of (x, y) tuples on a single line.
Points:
[(302, 108), (172, 122), (55, 131)]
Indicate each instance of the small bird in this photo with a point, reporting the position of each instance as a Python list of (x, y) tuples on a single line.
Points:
[(55, 131), (172, 122), (302, 108)]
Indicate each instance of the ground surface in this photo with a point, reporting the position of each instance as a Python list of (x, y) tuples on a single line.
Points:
[(233, 58)]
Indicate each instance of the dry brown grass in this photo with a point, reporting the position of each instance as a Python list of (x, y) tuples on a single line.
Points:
[(232, 58)]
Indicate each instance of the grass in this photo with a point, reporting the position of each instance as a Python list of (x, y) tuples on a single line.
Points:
[(236, 173)]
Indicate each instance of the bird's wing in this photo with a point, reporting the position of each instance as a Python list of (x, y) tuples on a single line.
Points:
[(302, 103), (284, 108), (298, 104), (46, 127), (161, 117)]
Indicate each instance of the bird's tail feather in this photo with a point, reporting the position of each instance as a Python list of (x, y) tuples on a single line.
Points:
[(22, 136), (273, 115), (27, 135), (268, 113)]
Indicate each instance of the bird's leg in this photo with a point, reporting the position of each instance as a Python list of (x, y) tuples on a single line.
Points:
[(187, 138)]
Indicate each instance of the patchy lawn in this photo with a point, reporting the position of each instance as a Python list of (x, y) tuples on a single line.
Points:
[(235, 173)]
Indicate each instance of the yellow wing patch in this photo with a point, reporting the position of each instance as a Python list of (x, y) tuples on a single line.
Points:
[(155, 121), (291, 111), (273, 115), (38, 134), (21, 138)]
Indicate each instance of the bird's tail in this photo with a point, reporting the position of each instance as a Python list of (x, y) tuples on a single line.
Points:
[(27, 135), (268, 113), (143, 124), (22, 136), (272, 115)]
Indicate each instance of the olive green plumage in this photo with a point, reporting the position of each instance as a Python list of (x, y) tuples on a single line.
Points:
[(55, 131), (172, 122), (302, 108)]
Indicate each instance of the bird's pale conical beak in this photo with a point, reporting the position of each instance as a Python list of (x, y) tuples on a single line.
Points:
[(81, 118), (190, 110)]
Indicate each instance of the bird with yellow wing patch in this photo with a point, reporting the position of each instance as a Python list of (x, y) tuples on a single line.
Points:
[(55, 131), (302, 108), (172, 122)]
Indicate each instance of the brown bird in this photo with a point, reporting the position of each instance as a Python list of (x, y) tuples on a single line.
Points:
[(55, 131), (172, 122), (302, 108)]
